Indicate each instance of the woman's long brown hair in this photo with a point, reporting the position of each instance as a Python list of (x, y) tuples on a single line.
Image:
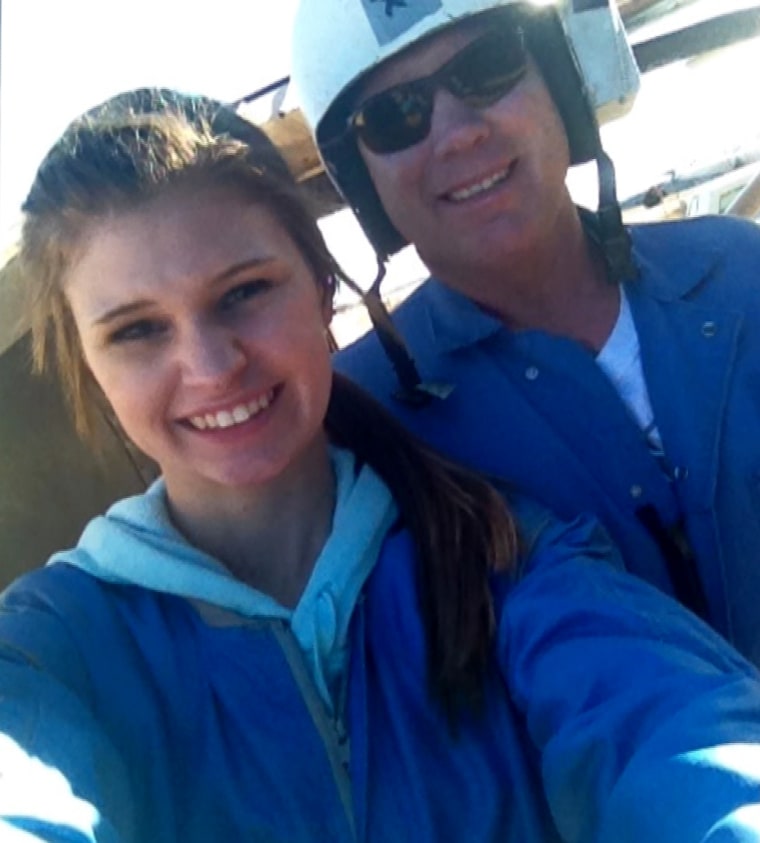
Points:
[(140, 143), (462, 531)]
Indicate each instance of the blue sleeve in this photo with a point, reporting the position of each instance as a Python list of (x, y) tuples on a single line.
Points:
[(647, 723), (61, 780)]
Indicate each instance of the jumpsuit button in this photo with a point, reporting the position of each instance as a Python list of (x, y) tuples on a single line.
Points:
[(531, 373), (709, 329), (636, 491)]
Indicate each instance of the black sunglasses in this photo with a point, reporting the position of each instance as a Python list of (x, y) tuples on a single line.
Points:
[(479, 75)]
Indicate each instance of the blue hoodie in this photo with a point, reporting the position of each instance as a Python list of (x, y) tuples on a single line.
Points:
[(140, 707)]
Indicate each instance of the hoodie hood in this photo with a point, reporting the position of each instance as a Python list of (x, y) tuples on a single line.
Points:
[(136, 543)]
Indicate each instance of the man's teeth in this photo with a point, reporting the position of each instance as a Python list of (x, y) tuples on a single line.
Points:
[(474, 189), (237, 415)]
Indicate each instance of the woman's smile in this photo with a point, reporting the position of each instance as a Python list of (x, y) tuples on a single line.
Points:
[(233, 415)]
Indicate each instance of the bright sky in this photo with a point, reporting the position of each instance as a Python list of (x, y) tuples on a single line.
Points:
[(60, 57)]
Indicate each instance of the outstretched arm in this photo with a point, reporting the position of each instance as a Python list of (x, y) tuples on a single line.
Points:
[(647, 722)]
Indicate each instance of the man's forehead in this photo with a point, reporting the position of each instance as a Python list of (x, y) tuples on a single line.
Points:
[(422, 57)]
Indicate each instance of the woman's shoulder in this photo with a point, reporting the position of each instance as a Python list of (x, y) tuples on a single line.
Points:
[(47, 617), (48, 589), (63, 620)]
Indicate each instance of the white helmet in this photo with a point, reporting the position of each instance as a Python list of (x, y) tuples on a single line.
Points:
[(338, 42), (580, 46)]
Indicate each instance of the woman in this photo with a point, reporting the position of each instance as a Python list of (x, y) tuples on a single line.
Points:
[(310, 628)]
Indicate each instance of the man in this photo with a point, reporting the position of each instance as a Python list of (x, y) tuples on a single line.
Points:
[(597, 368)]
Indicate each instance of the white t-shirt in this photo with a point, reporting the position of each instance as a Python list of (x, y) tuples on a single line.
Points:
[(620, 360)]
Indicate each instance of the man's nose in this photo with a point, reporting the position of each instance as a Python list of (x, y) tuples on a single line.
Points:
[(455, 126), (210, 356)]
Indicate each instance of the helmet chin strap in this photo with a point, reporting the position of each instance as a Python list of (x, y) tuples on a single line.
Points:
[(412, 390), (409, 379), (614, 238)]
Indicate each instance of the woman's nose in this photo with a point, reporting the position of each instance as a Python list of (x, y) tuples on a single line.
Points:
[(211, 356), (455, 126)]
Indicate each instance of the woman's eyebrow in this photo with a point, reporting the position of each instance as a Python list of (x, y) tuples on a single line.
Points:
[(242, 266), (230, 272), (121, 310)]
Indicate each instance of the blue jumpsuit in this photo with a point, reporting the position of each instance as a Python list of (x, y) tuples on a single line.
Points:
[(132, 714), (536, 410)]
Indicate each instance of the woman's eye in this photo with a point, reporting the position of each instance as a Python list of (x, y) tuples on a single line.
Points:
[(243, 292), (141, 330)]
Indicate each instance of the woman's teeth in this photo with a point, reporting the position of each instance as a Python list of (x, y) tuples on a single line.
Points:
[(237, 415), (474, 189)]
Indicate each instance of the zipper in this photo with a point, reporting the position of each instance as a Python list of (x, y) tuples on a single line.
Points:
[(332, 730)]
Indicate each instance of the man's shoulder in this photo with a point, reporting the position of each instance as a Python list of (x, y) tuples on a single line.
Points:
[(702, 256), (712, 225), (708, 235)]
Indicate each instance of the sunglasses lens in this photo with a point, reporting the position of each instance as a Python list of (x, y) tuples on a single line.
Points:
[(480, 75), (395, 119), (487, 70)]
